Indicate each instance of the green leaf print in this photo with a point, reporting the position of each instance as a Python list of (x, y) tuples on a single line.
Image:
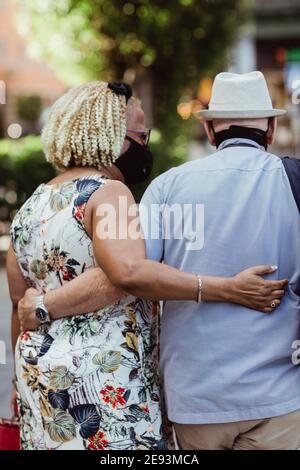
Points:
[(61, 378), (61, 196), (62, 427), (109, 361), (24, 236), (39, 268)]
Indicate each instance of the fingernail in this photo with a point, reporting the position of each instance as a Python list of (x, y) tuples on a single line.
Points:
[(274, 267)]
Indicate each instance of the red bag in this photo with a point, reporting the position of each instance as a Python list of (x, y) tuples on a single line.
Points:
[(9, 434)]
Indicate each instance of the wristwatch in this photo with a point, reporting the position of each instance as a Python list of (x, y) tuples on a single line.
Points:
[(41, 312)]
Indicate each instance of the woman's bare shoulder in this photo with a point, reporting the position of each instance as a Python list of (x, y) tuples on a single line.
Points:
[(113, 188), (110, 192)]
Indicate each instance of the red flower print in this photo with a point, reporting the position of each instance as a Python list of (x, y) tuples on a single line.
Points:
[(25, 337), (114, 396), (145, 407), (97, 442), (67, 275), (79, 213)]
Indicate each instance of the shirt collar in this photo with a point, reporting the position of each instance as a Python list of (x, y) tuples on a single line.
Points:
[(239, 141)]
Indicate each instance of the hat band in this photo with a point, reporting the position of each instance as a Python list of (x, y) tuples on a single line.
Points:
[(213, 106)]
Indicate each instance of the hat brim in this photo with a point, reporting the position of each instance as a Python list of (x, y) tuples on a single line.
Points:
[(242, 114)]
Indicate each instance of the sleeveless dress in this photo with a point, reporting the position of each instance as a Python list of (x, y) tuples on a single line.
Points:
[(88, 381)]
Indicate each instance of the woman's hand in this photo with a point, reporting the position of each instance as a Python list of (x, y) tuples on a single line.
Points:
[(250, 289), (26, 311)]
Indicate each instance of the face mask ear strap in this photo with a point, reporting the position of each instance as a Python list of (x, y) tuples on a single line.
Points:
[(211, 123), (212, 127), (131, 139), (268, 128)]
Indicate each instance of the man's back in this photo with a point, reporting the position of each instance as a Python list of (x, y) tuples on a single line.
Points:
[(223, 362)]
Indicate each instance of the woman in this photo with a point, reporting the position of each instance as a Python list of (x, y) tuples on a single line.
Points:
[(91, 381)]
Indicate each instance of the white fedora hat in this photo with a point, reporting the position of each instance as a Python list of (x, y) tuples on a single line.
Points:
[(240, 96)]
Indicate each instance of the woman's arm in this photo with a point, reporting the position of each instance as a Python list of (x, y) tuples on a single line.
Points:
[(88, 292), (121, 254), (124, 260)]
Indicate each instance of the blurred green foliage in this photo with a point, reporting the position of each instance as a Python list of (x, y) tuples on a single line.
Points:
[(29, 108), (174, 43), (22, 168)]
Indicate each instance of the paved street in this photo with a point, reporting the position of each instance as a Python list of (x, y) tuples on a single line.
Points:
[(6, 370)]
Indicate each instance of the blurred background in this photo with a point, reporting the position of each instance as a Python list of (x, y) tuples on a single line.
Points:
[(169, 51)]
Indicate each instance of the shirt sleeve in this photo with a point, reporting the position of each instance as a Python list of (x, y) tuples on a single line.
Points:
[(151, 221), (292, 168)]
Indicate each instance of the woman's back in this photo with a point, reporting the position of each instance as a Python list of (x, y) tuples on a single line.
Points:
[(89, 377), (48, 233)]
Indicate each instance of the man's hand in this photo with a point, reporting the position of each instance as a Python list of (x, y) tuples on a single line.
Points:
[(26, 310)]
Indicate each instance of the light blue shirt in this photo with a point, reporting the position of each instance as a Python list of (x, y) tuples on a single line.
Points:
[(223, 362)]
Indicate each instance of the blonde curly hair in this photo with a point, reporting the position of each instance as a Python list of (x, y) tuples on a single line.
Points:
[(86, 127)]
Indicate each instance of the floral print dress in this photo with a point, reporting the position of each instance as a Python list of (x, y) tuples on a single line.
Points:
[(88, 381)]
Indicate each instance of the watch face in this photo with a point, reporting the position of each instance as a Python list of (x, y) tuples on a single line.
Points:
[(41, 314)]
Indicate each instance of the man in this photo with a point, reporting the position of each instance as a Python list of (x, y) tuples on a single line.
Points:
[(229, 379)]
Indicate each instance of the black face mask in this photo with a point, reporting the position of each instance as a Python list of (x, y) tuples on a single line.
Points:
[(259, 136), (136, 163)]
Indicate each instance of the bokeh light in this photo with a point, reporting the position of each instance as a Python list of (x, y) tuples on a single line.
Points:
[(14, 131)]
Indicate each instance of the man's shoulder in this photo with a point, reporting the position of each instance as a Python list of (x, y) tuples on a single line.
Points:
[(168, 176)]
